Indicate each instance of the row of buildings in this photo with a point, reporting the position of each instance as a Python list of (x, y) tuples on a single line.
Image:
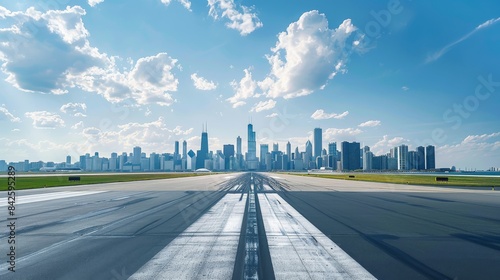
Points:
[(350, 157)]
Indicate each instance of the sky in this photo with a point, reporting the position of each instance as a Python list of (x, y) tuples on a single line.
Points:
[(104, 76)]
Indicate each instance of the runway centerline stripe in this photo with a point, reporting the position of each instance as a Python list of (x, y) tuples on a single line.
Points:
[(22, 199), (205, 250), (299, 250)]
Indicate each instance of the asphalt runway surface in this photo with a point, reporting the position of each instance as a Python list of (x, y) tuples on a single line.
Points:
[(244, 226)]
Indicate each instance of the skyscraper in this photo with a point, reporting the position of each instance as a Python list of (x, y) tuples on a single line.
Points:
[(203, 152), (184, 149), (420, 158), (350, 156), (238, 145), (276, 147), (289, 150), (318, 142), (228, 154), (308, 155), (430, 157), (264, 150), (176, 150), (252, 163), (136, 159), (402, 157), (367, 158)]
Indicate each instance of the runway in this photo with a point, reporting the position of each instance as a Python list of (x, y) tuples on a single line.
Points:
[(299, 228)]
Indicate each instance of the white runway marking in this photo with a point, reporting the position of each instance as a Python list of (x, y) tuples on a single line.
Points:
[(299, 250), (22, 199), (205, 250), (267, 188)]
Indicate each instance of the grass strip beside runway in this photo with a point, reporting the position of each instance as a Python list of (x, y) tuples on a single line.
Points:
[(35, 182), (463, 181)]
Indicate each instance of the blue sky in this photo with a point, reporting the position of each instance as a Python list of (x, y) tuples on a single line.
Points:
[(85, 76)]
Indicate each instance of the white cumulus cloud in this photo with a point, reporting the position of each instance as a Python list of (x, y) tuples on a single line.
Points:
[(240, 18), (371, 123), (92, 3), (244, 89), (202, 83), (45, 120), (307, 55), (76, 109), (59, 39), (321, 115), (384, 145), (263, 106)]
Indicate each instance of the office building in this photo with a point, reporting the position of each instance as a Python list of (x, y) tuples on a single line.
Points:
[(264, 150), (402, 157), (136, 159), (367, 159), (251, 157), (318, 142), (420, 158), (350, 156), (430, 157), (228, 155)]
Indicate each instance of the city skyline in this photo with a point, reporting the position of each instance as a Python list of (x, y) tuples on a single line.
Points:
[(351, 157), (85, 76)]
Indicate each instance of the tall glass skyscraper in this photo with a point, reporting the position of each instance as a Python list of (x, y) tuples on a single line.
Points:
[(420, 158), (252, 163), (203, 152), (238, 145), (318, 142), (430, 157)]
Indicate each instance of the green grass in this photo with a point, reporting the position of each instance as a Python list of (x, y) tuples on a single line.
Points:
[(62, 180), (466, 181)]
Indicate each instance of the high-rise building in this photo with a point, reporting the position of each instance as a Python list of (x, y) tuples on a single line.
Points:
[(252, 163), (367, 159), (379, 162), (412, 160), (430, 157), (228, 154), (202, 154), (420, 158), (276, 147), (136, 159), (184, 149), (402, 157), (113, 162), (238, 145), (308, 155), (68, 160), (176, 150), (318, 142), (350, 156), (264, 150), (289, 155)]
